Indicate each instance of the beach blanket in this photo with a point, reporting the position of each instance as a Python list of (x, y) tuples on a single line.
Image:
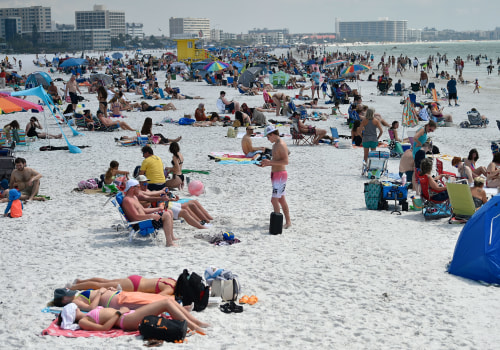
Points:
[(232, 161), (231, 158), (57, 331)]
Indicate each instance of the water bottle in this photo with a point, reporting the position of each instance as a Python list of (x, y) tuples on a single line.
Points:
[(119, 287), (403, 179)]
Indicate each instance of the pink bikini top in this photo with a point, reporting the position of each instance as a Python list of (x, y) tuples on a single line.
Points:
[(94, 314)]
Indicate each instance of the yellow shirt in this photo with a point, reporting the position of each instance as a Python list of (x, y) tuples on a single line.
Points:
[(153, 168)]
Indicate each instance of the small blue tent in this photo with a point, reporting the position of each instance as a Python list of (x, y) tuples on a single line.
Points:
[(477, 252)]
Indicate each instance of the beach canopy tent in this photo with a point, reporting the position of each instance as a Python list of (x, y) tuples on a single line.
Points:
[(74, 62), (38, 78), (279, 78), (249, 76), (477, 252), (47, 100)]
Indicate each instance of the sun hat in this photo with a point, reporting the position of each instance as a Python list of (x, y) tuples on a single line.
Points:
[(14, 194), (270, 128), (142, 178), (131, 183)]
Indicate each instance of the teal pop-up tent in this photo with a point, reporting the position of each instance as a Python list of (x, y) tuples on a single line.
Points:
[(477, 252), (43, 96)]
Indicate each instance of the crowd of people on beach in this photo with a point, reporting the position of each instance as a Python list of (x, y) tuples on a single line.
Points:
[(147, 194)]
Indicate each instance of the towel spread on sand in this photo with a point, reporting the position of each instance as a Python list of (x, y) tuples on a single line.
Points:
[(57, 331)]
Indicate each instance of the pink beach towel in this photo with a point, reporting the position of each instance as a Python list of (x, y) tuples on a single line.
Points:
[(57, 331)]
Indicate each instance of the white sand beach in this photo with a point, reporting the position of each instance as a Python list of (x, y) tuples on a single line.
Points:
[(342, 277)]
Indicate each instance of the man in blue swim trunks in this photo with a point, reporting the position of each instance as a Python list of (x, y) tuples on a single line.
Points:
[(136, 212)]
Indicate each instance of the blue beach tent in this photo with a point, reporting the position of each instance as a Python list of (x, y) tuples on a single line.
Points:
[(477, 252)]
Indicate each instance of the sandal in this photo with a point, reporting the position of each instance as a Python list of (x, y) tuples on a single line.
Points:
[(252, 300), (243, 299)]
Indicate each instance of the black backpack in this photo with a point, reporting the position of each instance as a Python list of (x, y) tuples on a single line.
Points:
[(190, 288), (155, 327)]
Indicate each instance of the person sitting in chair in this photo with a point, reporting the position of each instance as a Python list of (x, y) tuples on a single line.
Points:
[(478, 193), (425, 170), (310, 130), (464, 172)]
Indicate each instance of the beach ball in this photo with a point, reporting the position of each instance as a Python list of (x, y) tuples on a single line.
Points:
[(228, 236), (196, 187)]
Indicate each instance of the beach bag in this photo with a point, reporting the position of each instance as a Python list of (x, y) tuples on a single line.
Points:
[(228, 290), (155, 327), (373, 195), (191, 288)]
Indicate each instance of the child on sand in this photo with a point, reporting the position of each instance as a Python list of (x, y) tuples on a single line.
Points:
[(15, 207), (476, 86)]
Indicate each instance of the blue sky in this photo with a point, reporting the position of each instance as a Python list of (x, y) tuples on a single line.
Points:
[(299, 16)]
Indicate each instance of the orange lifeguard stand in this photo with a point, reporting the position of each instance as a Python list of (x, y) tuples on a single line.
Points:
[(187, 51)]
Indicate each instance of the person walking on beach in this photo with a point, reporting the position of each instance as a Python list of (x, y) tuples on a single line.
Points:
[(278, 172), (476, 86), (452, 90)]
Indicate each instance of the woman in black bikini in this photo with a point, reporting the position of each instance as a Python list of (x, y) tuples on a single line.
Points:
[(177, 179), (35, 124), (102, 97)]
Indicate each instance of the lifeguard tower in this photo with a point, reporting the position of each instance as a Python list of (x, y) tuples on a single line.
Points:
[(187, 51)]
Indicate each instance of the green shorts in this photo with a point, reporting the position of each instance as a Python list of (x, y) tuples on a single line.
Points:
[(370, 144)]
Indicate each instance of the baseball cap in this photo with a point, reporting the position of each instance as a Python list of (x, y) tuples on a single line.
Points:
[(270, 129), (131, 183), (142, 178), (60, 293)]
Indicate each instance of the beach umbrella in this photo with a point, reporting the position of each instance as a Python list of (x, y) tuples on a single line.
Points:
[(249, 76), (334, 63), (237, 64), (354, 69), (9, 104), (38, 78), (181, 65), (103, 78), (215, 66), (117, 55), (73, 62)]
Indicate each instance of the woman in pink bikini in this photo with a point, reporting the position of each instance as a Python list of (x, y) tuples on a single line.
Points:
[(134, 283), (103, 319)]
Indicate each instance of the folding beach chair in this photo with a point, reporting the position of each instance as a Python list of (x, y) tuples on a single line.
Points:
[(299, 138), (439, 169), (432, 209), (146, 97), (23, 142), (142, 228), (376, 166), (461, 201)]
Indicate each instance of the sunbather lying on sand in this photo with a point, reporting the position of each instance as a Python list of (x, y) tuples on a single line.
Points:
[(134, 283), (103, 319)]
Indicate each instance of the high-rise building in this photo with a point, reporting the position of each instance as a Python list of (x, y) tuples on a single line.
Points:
[(34, 16), (179, 27), (135, 30), (82, 39), (9, 27), (100, 18), (381, 30)]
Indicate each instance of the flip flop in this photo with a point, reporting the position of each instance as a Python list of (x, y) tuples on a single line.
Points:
[(252, 300), (244, 299)]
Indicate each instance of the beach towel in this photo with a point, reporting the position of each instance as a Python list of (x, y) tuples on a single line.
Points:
[(57, 331), (187, 171)]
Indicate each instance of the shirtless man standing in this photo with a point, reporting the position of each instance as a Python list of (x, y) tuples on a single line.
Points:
[(26, 180), (278, 172), (71, 89), (246, 145), (136, 212)]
